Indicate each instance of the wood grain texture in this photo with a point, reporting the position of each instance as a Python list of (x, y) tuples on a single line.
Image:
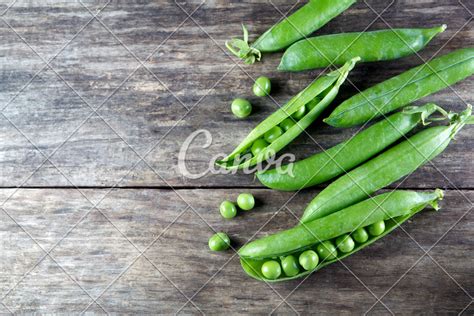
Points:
[(102, 255), (97, 95), (187, 68)]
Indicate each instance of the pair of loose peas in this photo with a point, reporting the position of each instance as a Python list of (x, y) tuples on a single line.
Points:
[(242, 107), (245, 201)]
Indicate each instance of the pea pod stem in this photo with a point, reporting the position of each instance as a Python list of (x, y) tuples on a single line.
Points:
[(341, 158), (336, 49), (403, 89), (394, 207), (385, 168), (304, 21), (324, 88)]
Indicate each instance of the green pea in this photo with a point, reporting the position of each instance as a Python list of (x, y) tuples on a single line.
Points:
[(309, 260), (228, 209), (311, 104), (300, 113), (345, 243), (258, 145), (286, 124), (271, 269), (360, 235), (273, 133), (246, 201), (290, 266), (377, 228), (326, 250), (262, 86), (241, 108), (219, 241)]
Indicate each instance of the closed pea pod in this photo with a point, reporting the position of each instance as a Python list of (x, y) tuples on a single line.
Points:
[(336, 49), (385, 169), (403, 89), (310, 17), (330, 163), (393, 208), (324, 89)]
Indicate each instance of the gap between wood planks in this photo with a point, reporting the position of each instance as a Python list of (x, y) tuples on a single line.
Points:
[(158, 187)]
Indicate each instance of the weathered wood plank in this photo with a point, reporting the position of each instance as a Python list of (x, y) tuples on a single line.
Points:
[(188, 66), (95, 253)]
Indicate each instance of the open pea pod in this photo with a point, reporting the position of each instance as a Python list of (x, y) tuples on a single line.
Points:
[(341, 158), (317, 96), (391, 209)]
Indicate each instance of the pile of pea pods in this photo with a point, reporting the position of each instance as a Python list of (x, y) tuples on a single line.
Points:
[(345, 216)]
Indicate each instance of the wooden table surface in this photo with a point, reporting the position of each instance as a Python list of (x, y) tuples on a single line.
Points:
[(98, 97)]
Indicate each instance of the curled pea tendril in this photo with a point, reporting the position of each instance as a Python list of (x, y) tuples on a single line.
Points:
[(242, 49), (424, 113)]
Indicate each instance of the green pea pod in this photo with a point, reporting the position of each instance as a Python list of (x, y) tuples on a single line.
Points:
[(393, 208), (384, 169), (336, 49), (301, 23), (330, 163), (405, 88), (324, 89)]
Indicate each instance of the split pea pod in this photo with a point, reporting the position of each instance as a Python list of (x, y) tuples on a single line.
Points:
[(258, 146), (336, 49), (330, 163), (385, 169), (333, 237), (309, 18), (405, 88)]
